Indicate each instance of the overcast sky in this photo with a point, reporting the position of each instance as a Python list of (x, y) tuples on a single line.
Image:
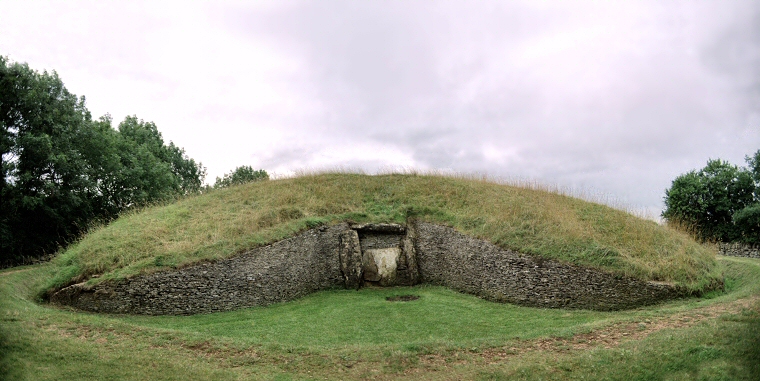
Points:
[(614, 98)]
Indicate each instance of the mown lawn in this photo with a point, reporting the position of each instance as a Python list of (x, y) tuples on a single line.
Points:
[(359, 335)]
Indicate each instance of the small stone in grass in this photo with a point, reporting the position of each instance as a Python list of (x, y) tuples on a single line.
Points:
[(402, 298)]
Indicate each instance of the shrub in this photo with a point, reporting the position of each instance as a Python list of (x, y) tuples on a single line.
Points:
[(241, 175), (708, 199)]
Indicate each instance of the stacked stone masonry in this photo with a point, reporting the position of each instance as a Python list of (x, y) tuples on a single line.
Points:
[(352, 255), (739, 250)]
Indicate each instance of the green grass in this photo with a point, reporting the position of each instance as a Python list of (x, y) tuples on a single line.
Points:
[(359, 335), (724, 349), (528, 220), (353, 318)]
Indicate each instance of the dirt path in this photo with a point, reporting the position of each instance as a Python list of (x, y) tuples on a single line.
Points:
[(14, 271), (607, 337)]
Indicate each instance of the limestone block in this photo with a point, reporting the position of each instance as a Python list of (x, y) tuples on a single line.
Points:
[(381, 265), (410, 256), (351, 258)]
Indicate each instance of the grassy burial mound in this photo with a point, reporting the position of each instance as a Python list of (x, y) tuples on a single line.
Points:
[(531, 225)]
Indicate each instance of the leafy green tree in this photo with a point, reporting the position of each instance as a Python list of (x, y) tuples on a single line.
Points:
[(43, 174), (706, 200), (149, 170), (754, 167), (61, 171), (747, 222), (241, 175)]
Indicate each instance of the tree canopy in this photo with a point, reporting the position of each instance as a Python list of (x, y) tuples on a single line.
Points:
[(720, 202), (62, 171)]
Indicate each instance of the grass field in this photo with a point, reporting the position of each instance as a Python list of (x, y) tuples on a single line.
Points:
[(524, 219), (359, 335)]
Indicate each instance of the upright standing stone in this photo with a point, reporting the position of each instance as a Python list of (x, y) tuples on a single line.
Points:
[(410, 254), (351, 258)]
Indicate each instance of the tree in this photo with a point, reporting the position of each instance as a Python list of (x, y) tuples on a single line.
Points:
[(149, 170), (706, 200), (747, 222), (241, 175), (61, 171), (754, 166), (43, 174)]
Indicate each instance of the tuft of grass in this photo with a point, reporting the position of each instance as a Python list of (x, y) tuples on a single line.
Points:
[(527, 219)]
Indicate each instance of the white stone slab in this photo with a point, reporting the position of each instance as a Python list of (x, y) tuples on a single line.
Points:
[(386, 261)]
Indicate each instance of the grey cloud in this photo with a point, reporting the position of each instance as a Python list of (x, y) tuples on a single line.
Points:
[(296, 156), (623, 114), (620, 97)]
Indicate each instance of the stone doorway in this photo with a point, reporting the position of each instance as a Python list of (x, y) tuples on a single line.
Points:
[(379, 255)]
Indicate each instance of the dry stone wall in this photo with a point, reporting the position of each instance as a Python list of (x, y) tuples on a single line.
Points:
[(447, 257), (283, 271), (354, 255), (739, 250)]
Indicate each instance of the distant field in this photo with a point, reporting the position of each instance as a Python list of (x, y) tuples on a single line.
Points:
[(359, 335), (531, 221)]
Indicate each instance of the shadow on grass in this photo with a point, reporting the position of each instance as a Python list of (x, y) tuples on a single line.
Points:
[(5, 350), (749, 350)]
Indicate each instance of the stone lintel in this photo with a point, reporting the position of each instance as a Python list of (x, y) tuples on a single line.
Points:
[(379, 228)]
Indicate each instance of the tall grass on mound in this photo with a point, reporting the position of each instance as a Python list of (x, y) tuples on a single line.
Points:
[(531, 221)]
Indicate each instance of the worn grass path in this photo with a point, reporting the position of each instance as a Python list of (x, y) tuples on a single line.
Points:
[(358, 335)]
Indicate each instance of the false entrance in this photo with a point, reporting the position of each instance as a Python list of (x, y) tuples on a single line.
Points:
[(378, 254)]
